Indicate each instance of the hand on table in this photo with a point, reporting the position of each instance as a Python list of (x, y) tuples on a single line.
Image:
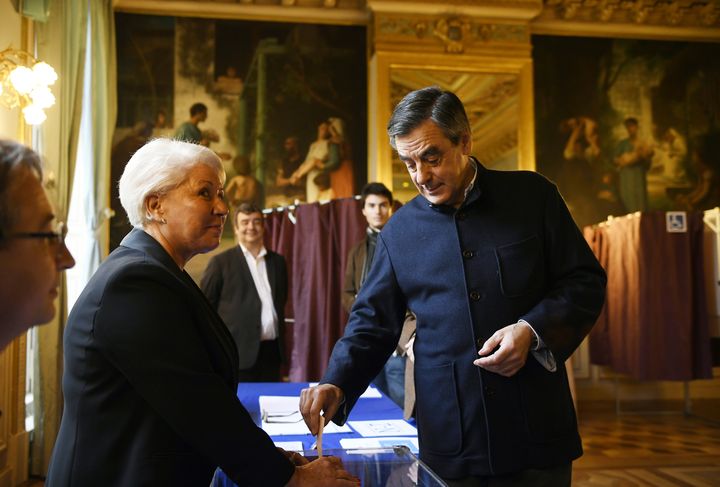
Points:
[(323, 472), (322, 398), (512, 343)]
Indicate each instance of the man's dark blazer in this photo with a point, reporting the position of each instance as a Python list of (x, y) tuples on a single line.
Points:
[(230, 288), (510, 252), (150, 384)]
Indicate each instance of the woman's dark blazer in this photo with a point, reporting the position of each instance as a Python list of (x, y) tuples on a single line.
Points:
[(149, 384)]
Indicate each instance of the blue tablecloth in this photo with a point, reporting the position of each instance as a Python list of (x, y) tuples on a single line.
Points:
[(365, 409)]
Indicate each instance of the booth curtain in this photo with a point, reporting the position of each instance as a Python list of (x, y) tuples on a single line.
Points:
[(316, 248), (654, 325)]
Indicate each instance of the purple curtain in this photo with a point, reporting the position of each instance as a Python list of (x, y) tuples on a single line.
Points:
[(316, 249)]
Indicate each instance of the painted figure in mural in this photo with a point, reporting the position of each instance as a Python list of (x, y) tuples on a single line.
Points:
[(315, 162), (32, 244), (162, 126), (633, 158), (705, 193), (580, 174), (189, 131), (229, 83), (290, 163), (244, 187), (504, 288), (670, 158), (342, 179)]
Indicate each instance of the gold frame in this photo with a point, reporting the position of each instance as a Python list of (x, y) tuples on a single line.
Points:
[(382, 65)]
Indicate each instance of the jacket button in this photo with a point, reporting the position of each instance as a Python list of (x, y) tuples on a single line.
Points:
[(468, 254), (477, 295), (480, 342), (489, 391), (460, 215)]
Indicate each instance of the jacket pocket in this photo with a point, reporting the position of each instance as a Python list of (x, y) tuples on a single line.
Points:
[(519, 266), (547, 403), (437, 411)]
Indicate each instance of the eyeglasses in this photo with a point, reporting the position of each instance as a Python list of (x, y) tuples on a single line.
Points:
[(57, 237)]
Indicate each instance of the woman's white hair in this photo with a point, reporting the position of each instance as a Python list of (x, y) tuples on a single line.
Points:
[(157, 167)]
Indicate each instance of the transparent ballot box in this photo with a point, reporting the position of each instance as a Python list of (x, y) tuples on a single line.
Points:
[(375, 467), (393, 466)]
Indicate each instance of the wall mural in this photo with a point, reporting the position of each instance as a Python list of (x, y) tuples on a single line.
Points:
[(628, 125), (287, 103)]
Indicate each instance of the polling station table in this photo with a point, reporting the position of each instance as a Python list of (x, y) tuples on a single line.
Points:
[(378, 459)]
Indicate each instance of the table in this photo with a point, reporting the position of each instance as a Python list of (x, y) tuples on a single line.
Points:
[(365, 409), (373, 469)]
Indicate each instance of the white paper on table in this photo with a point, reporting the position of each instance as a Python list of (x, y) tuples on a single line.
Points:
[(280, 409), (379, 442), (383, 427), (300, 428), (370, 392), (290, 445)]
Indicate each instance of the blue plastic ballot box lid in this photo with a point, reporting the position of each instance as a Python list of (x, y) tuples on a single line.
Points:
[(375, 467)]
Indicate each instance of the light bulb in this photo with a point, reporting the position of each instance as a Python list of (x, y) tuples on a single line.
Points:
[(45, 74), (22, 79), (42, 97), (34, 115)]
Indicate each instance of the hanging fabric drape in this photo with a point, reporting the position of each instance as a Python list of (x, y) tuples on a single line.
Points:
[(655, 322), (316, 249), (62, 41)]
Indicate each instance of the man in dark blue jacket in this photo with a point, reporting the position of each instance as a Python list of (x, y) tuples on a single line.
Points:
[(504, 288)]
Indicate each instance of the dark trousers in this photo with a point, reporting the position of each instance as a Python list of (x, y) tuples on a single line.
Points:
[(267, 365), (532, 477)]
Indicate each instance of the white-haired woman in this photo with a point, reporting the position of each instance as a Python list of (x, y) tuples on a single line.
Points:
[(150, 369)]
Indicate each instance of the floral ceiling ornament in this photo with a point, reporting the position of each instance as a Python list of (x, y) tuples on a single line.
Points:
[(452, 32), (25, 82)]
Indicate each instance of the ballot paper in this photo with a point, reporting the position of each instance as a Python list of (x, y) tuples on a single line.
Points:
[(380, 442), (290, 445), (281, 416), (383, 427), (370, 392)]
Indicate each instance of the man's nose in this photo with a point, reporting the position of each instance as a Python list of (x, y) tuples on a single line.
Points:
[(65, 259), (423, 174)]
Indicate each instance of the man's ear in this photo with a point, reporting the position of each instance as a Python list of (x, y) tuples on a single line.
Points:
[(466, 142)]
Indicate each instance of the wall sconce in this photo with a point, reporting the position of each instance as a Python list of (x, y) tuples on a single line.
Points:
[(25, 83)]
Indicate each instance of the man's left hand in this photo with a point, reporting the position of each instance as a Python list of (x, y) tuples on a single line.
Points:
[(511, 346)]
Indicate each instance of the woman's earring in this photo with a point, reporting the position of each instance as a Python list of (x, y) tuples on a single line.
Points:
[(163, 221)]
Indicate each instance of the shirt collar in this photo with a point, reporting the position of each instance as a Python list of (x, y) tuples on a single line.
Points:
[(246, 252)]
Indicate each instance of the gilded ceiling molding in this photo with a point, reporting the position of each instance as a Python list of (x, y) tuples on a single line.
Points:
[(682, 19), (489, 9), (453, 34)]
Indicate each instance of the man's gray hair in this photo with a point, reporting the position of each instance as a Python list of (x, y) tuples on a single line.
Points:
[(13, 156), (444, 108), (156, 168)]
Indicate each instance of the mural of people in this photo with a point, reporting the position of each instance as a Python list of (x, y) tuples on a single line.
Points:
[(670, 157), (633, 157), (342, 179), (229, 83), (243, 188), (189, 131), (705, 192), (290, 162), (315, 162)]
